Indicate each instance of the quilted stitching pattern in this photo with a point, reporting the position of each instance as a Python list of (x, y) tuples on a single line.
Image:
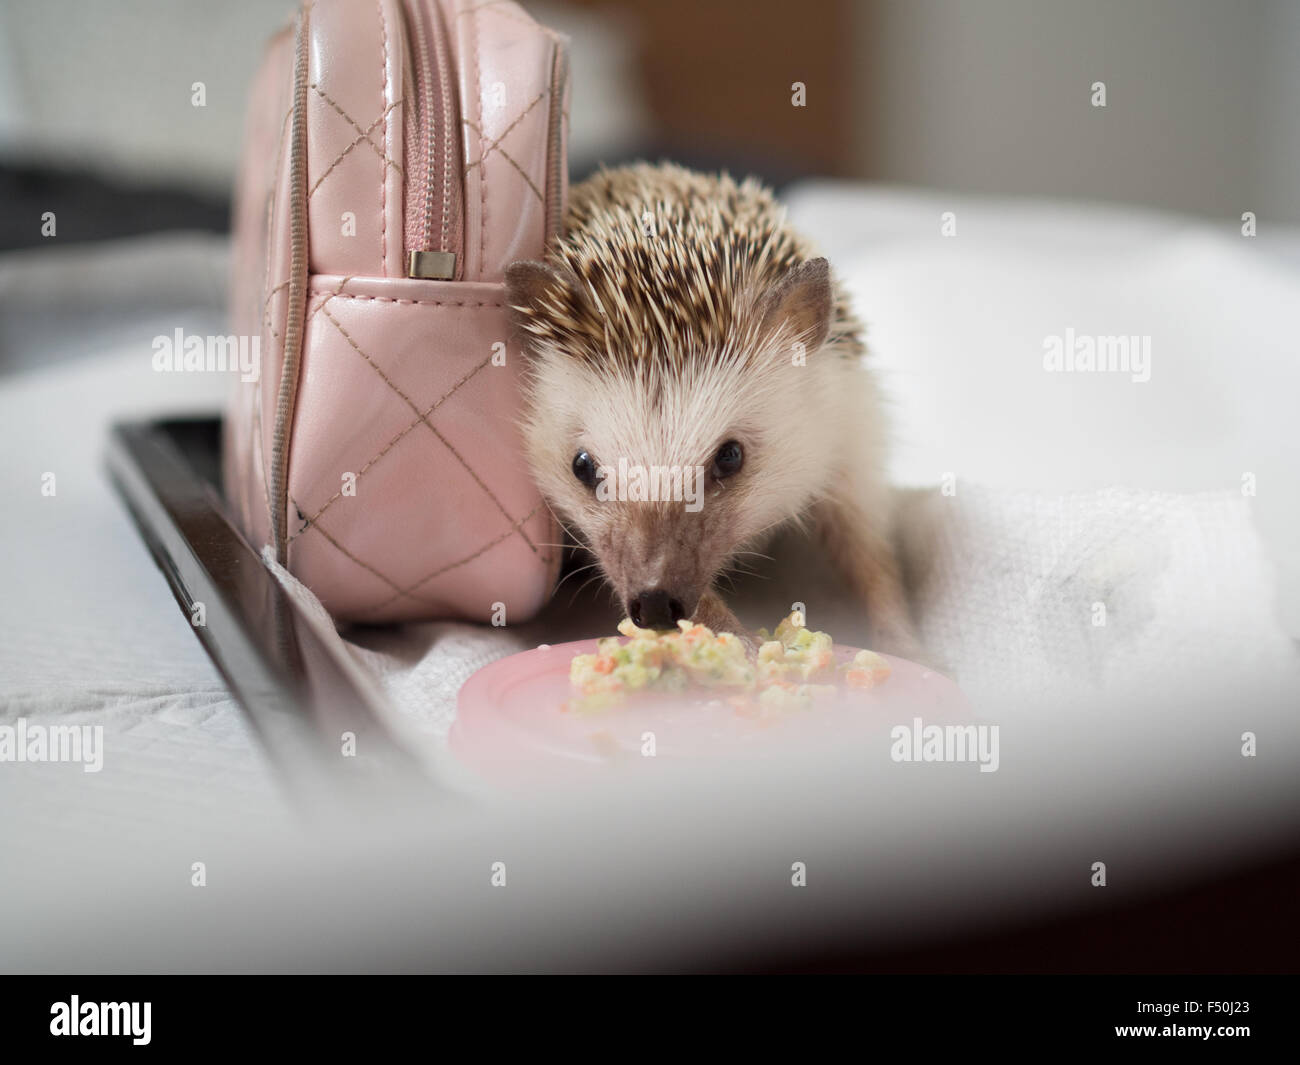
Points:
[(505, 64), (421, 427), (532, 185), (397, 384), (422, 416), (364, 135)]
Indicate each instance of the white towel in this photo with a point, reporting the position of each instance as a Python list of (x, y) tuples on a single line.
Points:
[(1056, 603), (1064, 599)]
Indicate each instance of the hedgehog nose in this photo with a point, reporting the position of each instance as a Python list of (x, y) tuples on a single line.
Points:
[(655, 609)]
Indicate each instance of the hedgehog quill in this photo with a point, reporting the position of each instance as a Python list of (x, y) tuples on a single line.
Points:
[(682, 334)]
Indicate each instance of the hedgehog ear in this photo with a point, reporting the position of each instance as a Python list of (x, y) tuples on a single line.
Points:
[(800, 304), (527, 281)]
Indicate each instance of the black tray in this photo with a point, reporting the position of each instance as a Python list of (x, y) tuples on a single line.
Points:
[(300, 696)]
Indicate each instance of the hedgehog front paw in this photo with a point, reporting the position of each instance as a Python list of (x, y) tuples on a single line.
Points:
[(715, 614)]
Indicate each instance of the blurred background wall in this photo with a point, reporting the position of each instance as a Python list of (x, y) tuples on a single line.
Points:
[(986, 95), (995, 96)]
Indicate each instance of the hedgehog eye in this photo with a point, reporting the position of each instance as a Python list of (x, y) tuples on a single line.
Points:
[(584, 468), (728, 460)]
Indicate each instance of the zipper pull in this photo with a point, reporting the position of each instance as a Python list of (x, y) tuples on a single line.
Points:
[(432, 265)]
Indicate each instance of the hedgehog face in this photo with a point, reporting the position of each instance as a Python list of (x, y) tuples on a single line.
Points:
[(667, 462)]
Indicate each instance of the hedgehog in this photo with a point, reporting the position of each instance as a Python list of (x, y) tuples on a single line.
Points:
[(695, 380)]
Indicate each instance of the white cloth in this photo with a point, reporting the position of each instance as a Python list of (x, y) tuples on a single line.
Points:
[(957, 327), (90, 634), (1028, 601), (1055, 601)]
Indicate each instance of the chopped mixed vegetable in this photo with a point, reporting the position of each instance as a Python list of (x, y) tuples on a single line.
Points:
[(794, 667)]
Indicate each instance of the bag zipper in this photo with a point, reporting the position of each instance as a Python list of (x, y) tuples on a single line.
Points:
[(434, 192), (555, 160)]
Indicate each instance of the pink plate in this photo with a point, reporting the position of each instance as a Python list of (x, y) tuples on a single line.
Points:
[(512, 728)]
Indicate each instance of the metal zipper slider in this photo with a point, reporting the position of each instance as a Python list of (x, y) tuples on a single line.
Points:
[(439, 265)]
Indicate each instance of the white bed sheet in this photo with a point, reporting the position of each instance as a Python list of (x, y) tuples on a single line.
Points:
[(89, 630)]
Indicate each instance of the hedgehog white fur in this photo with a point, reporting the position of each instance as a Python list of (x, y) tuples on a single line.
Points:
[(677, 318)]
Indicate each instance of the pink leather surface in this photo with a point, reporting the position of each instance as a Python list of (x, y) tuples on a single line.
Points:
[(259, 269), (504, 66), (355, 137), (399, 380), (395, 381)]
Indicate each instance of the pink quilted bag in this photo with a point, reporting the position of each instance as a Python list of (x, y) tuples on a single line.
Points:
[(399, 155)]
